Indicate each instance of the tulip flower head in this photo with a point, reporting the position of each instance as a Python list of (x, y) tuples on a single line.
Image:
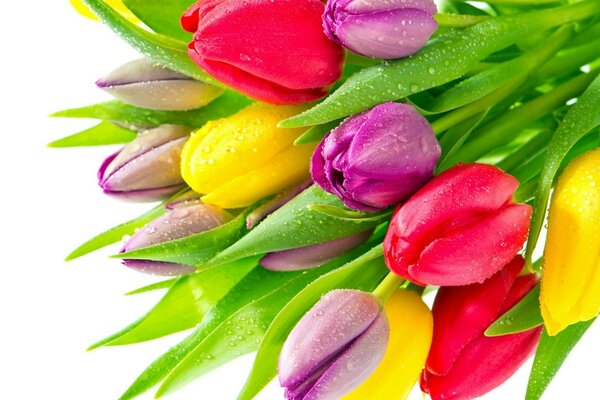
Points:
[(238, 160), (377, 158), (570, 290), (411, 328), (143, 83), (458, 229), (146, 169), (334, 347), (380, 28), (272, 51), (184, 220), (463, 363)]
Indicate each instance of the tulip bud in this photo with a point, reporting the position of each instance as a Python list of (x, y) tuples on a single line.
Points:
[(238, 160), (411, 327), (463, 363), (272, 51), (570, 289), (177, 223), (377, 158), (334, 347), (380, 28), (146, 169), (312, 256), (143, 83), (460, 228)]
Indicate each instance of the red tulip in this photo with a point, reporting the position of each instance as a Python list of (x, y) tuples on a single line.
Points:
[(462, 362), (460, 228), (273, 51)]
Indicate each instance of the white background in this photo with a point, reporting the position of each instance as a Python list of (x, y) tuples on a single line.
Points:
[(51, 311)]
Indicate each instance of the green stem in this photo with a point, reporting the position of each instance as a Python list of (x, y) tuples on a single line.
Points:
[(458, 20), (388, 286)]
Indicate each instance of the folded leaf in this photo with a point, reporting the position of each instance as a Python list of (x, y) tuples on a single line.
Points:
[(295, 225), (102, 134), (183, 306), (155, 286), (525, 315), (226, 104), (581, 119), (446, 58), (162, 17), (364, 273), (551, 353), (164, 50)]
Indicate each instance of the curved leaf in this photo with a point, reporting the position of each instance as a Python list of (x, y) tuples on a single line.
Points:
[(183, 306), (162, 17), (102, 134), (166, 51), (525, 315), (446, 58), (551, 354), (350, 215), (581, 119), (294, 225), (364, 273), (114, 110)]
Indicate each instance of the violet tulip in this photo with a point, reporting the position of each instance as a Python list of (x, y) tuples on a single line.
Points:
[(460, 228), (463, 363), (185, 219), (143, 83), (314, 255), (334, 347), (146, 169), (377, 158), (380, 28)]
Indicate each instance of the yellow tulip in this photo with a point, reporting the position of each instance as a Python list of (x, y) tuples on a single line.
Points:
[(571, 269), (238, 160), (118, 5), (411, 329)]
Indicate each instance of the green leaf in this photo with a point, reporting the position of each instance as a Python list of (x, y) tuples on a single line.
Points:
[(164, 50), (316, 133), (194, 249), (503, 74), (102, 134), (115, 234), (294, 225), (581, 119), (183, 306), (162, 17), (551, 354), (350, 215), (444, 59), (155, 286), (363, 274), (114, 110), (456, 136), (525, 315)]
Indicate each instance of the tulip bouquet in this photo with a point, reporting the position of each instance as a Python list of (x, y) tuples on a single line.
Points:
[(319, 166)]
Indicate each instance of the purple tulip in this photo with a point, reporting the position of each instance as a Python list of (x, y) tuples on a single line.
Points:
[(177, 223), (334, 347), (380, 28), (147, 169), (312, 256), (143, 83), (377, 158)]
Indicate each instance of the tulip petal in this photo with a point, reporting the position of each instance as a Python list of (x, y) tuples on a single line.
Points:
[(411, 326), (330, 326), (475, 252), (283, 171), (463, 313)]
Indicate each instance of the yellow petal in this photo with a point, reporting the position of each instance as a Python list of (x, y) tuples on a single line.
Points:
[(118, 5), (411, 329), (571, 270), (285, 170), (228, 148)]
